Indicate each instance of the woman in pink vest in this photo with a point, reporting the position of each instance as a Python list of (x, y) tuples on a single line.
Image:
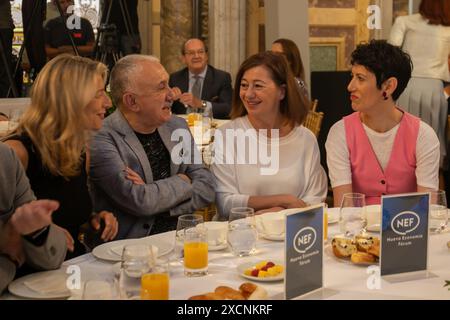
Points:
[(380, 149)]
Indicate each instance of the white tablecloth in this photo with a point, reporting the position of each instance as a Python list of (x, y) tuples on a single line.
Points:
[(347, 280)]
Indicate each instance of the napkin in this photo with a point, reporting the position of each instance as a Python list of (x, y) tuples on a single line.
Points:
[(48, 284)]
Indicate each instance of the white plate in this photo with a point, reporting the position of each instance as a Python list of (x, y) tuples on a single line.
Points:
[(20, 289), (104, 251), (271, 237), (242, 267), (217, 248), (333, 215)]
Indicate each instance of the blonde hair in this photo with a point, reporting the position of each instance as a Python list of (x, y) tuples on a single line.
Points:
[(55, 120)]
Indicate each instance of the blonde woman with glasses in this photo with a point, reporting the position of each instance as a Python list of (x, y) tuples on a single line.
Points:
[(68, 103)]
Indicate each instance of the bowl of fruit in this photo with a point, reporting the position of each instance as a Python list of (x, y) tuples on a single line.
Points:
[(265, 270)]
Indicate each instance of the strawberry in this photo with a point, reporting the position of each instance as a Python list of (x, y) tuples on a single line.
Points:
[(269, 264), (255, 272)]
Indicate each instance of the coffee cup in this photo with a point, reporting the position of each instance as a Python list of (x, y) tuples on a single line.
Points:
[(217, 233)]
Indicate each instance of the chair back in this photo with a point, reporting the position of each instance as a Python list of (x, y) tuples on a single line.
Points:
[(314, 119)]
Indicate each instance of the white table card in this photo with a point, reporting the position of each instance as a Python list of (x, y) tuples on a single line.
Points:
[(304, 252), (404, 233)]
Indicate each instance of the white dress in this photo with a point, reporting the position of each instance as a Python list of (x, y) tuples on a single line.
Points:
[(297, 171)]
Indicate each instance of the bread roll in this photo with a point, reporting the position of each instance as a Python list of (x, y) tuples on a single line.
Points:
[(362, 258), (207, 296), (229, 293), (247, 288), (343, 247)]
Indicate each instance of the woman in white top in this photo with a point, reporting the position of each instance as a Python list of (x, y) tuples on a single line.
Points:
[(264, 157), (380, 149), (426, 38)]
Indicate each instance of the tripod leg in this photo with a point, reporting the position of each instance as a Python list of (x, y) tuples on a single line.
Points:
[(7, 66)]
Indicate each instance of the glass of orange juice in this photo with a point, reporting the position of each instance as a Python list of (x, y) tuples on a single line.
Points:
[(325, 222), (155, 283), (195, 251), (193, 117)]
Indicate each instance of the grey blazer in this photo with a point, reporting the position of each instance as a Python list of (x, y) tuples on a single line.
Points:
[(14, 192), (115, 147)]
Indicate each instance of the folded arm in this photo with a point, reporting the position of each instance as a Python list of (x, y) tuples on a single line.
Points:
[(107, 172)]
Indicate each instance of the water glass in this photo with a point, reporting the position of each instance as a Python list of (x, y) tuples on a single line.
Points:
[(352, 215), (242, 234), (184, 222), (195, 251), (14, 118), (137, 260), (100, 290), (438, 211), (155, 283)]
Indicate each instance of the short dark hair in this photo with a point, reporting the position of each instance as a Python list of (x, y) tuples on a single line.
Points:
[(436, 11), (292, 53), (385, 61), (294, 107), (183, 51)]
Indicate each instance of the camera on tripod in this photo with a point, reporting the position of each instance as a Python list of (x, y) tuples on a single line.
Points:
[(109, 41)]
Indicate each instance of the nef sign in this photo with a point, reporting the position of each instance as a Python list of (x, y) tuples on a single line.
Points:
[(304, 239), (405, 222)]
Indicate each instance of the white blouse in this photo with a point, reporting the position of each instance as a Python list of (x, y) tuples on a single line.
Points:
[(427, 154), (428, 45), (298, 169)]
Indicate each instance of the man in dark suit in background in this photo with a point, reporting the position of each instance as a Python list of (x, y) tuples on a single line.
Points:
[(200, 87)]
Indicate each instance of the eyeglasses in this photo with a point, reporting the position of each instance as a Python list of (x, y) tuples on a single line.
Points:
[(193, 52)]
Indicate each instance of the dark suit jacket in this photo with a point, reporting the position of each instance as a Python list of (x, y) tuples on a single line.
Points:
[(216, 89)]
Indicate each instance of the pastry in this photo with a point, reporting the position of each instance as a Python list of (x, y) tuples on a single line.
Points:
[(343, 247), (247, 288), (229, 293), (207, 296), (364, 242), (374, 250), (362, 258), (247, 291)]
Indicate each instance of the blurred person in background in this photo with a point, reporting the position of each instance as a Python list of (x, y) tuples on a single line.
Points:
[(290, 50), (425, 36)]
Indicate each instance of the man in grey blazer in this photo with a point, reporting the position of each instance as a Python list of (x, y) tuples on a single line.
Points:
[(200, 87), (26, 232), (139, 169)]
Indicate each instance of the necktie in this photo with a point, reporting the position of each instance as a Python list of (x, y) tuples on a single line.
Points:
[(196, 92), (197, 87)]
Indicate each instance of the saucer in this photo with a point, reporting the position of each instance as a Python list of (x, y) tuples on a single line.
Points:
[(217, 248), (272, 237)]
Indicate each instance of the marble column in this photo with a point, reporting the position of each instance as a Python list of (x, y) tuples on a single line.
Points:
[(227, 34), (386, 9), (176, 28)]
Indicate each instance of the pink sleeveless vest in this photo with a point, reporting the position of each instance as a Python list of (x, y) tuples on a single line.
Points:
[(367, 175)]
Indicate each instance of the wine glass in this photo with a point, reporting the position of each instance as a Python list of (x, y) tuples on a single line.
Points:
[(185, 221), (352, 215), (438, 211)]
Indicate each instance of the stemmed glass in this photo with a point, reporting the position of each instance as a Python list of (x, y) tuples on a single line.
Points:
[(185, 221), (352, 215), (438, 211)]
